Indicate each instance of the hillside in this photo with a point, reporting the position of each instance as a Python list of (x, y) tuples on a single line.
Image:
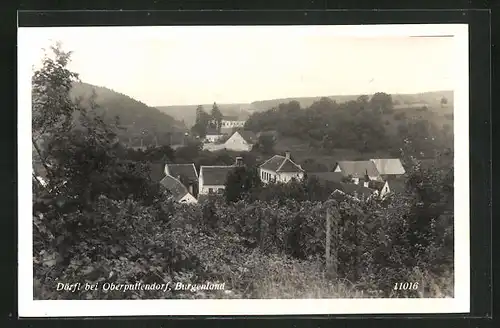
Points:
[(187, 113), (430, 98), (136, 116)]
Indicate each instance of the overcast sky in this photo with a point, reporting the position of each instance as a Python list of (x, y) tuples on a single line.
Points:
[(200, 65)]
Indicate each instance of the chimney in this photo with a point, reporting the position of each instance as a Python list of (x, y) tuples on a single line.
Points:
[(239, 161), (287, 154), (367, 179)]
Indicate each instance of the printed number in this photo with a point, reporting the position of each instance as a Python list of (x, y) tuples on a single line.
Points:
[(406, 286)]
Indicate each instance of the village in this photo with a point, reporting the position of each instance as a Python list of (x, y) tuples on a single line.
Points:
[(282, 195), (358, 180)]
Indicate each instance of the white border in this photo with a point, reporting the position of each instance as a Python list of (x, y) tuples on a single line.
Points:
[(459, 304)]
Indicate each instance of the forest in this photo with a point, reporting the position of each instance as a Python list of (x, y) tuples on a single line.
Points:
[(100, 217), (368, 124)]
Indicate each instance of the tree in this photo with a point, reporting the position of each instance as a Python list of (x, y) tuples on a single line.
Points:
[(265, 144), (52, 107), (381, 102), (363, 99), (201, 123), (240, 181), (216, 116)]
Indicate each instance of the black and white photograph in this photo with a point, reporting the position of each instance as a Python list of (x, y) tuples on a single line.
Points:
[(243, 170)]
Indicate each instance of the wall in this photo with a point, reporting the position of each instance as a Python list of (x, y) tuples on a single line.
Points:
[(267, 176), (232, 124), (213, 147), (237, 143), (213, 138), (204, 189), (188, 199)]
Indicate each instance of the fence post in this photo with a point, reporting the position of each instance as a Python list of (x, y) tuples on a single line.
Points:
[(327, 241)]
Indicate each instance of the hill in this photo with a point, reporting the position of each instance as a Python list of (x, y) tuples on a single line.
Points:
[(187, 113), (402, 101), (432, 98), (139, 119)]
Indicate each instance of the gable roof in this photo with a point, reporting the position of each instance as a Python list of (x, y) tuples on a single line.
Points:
[(389, 165), (279, 163), (215, 175), (248, 136), (173, 185), (352, 190), (186, 170), (358, 169)]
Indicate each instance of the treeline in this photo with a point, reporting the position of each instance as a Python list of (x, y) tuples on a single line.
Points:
[(205, 122), (143, 125), (368, 124)]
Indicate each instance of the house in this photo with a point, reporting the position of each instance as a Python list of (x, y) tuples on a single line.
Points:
[(380, 188), (213, 136), (389, 167), (352, 191), (241, 141), (186, 173), (212, 179), (358, 170), (280, 169), (229, 122), (178, 190)]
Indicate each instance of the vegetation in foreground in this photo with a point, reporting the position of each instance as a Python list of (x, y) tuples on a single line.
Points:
[(124, 229)]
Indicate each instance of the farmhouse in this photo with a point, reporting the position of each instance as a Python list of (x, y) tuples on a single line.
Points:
[(380, 188), (186, 173), (241, 141), (178, 190), (212, 179), (280, 169), (232, 122), (213, 136), (352, 191), (358, 170), (389, 167)]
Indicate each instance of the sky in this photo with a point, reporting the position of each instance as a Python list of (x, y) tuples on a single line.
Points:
[(163, 66)]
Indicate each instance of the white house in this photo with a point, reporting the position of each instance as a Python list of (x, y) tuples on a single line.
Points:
[(213, 137), (241, 141), (280, 169), (212, 179), (178, 190), (230, 123)]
